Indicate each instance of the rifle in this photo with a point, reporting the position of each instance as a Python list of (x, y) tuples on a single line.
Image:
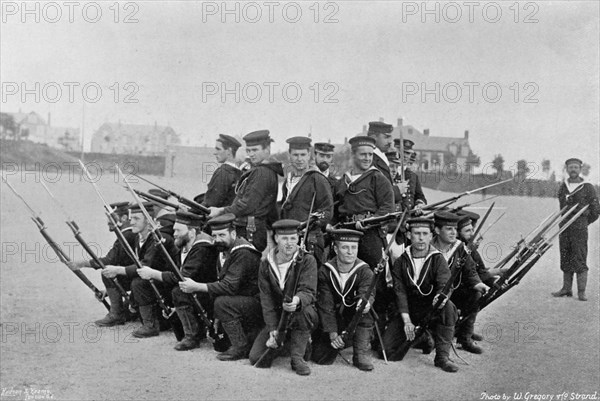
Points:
[(466, 205), (523, 255), (422, 327), (544, 225), (167, 311), (480, 225), (77, 234), (538, 252), (348, 332), (194, 206), (218, 339), (491, 225), (285, 317), (62, 256), (371, 221)]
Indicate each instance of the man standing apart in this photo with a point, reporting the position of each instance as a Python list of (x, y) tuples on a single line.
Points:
[(255, 203), (573, 241)]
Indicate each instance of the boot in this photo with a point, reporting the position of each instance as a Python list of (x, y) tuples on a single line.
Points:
[(360, 343), (581, 284), (240, 346), (465, 335), (477, 337), (298, 342), (566, 290), (191, 329), (150, 326), (443, 342), (117, 315)]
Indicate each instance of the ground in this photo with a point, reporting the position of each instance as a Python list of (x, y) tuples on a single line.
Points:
[(534, 344)]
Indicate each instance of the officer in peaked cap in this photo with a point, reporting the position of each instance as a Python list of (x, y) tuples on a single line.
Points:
[(324, 160)]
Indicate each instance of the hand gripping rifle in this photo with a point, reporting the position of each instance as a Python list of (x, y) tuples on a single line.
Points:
[(348, 332), (424, 324), (538, 252), (77, 234), (62, 256), (218, 339), (285, 317), (195, 207), (166, 310)]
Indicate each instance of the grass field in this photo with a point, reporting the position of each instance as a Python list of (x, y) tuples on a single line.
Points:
[(534, 344)]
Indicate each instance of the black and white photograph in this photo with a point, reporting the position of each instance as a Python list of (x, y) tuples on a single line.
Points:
[(300, 200)]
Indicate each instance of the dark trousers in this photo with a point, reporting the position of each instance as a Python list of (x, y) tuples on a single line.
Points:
[(181, 299), (123, 280), (573, 250), (303, 320), (238, 307), (394, 336), (323, 353), (145, 295)]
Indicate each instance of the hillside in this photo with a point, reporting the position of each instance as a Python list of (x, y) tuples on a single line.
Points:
[(28, 153)]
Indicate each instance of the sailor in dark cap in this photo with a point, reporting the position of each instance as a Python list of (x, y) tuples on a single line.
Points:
[(342, 282), (324, 162), (573, 241), (235, 291), (419, 275), (410, 188), (150, 255), (468, 287), (255, 203), (382, 133), (197, 261), (287, 280), (365, 192), (119, 312), (301, 185), (220, 191)]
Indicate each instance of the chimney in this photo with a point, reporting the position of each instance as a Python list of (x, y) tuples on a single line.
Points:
[(364, 130), (410, 130), (467, 134), (345, 140), (49, 120), (400, 122), (426, 132), (380, 119)]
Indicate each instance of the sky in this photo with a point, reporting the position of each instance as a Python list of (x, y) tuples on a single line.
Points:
[(523, 77)]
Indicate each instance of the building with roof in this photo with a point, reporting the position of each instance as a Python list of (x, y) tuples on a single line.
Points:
[(435, 153), (33, 127), (133, 139)]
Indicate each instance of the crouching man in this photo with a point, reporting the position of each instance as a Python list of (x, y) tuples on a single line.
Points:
[(197, 261), (235, 292), (287, 280), (342, 282), (419, 276)]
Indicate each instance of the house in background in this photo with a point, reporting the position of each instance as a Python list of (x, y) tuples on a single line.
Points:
[(133, 139), (33, 127), (435, 153)]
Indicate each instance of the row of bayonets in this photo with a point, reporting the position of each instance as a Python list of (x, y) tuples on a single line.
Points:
[(524, 255)]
